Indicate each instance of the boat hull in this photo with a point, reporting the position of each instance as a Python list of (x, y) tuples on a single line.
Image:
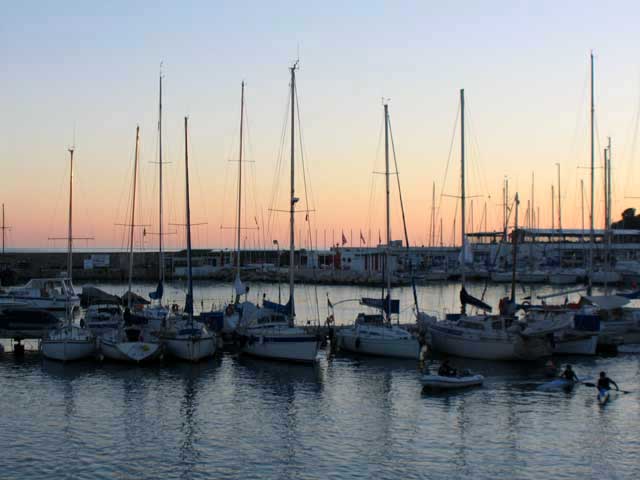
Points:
[(512, 347), (356, 342), (302, 348), (67, 350), (136, 352), (192, 349), (439, 382), (579, 346)]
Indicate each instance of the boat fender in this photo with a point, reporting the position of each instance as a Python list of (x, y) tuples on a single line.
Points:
[(358, 342), (229, 310), (82, 324), (175, 307)]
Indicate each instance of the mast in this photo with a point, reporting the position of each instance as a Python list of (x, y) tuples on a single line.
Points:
[(433, 215), (293, 199), (70, 237), (514, 252), (239, 189), (463, 195), (3, 229), (553, 208), (388, 208), (160, 252), (582, 202), (559, 200), (189, 301), (133, 215), (533, 197), (591, 233)]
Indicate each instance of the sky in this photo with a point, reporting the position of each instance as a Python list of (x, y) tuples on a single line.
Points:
[(85, 74)]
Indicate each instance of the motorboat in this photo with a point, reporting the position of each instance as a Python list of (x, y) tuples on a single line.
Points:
[(581, 335), (55, 295), (19, 321)]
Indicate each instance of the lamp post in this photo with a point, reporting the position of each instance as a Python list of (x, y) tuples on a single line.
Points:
[(275, 242)]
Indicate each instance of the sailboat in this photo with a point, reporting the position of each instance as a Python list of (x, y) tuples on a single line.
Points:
[(374, 334), (234, 310), (127, 342), (485, 336), (270, 332), (156, 315), (188, 339), (69, 341)]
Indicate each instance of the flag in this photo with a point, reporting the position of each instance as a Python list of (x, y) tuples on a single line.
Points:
[(379, 238), (306, 217), (344, 239), (362, 238)]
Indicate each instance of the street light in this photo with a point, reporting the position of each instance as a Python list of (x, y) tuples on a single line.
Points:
[(275, 242)]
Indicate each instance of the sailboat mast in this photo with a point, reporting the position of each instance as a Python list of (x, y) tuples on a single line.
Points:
[(292, 199), (559, 200), (239, 188), (70, 237), (189, 302), (591, 233), (133, 215), (3, 229), (462, 193), (388, 206), (514, 252), (160, 252)]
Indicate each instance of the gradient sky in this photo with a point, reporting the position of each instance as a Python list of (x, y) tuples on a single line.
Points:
[(93, 70)]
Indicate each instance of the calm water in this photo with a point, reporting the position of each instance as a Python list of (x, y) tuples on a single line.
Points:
[(346, 417)]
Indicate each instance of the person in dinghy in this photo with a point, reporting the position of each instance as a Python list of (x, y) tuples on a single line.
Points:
[(446, 370)]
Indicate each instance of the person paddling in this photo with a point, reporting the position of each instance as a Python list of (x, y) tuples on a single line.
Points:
[(604, 383), (569, 374)]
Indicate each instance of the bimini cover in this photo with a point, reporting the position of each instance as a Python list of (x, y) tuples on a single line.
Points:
[(607, 302)]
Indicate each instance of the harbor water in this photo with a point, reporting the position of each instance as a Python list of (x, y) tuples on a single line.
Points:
[(346, 417)]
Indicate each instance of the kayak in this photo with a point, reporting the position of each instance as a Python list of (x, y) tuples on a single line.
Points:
[(603, 396), (449, 383), (557, 384)]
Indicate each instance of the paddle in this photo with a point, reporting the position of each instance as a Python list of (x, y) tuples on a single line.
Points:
[(589, 384)]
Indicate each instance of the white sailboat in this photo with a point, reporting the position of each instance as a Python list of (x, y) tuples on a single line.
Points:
[(69, 342), (375, 334), (127, 343), (188, 339), (484, 336), (270, 332)]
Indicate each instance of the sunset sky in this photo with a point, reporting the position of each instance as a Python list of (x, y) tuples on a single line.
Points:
[(87, 73)]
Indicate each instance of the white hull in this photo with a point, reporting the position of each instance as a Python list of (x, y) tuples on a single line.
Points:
[(191, 349), (67, 350), (379, 345), (135, 352), (305, 349), (510, 347), (449, 383)]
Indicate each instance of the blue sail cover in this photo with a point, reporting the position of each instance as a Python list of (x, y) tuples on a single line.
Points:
[(157, 295), (277, 308), (389, 306)]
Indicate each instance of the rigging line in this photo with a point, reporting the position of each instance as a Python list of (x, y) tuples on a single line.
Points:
[(446, 171), (277, 173), (479, 173), (634, 134), (395, 162), (373, 184)]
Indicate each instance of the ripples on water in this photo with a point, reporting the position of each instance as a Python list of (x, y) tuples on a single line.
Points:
[(347, 417)]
